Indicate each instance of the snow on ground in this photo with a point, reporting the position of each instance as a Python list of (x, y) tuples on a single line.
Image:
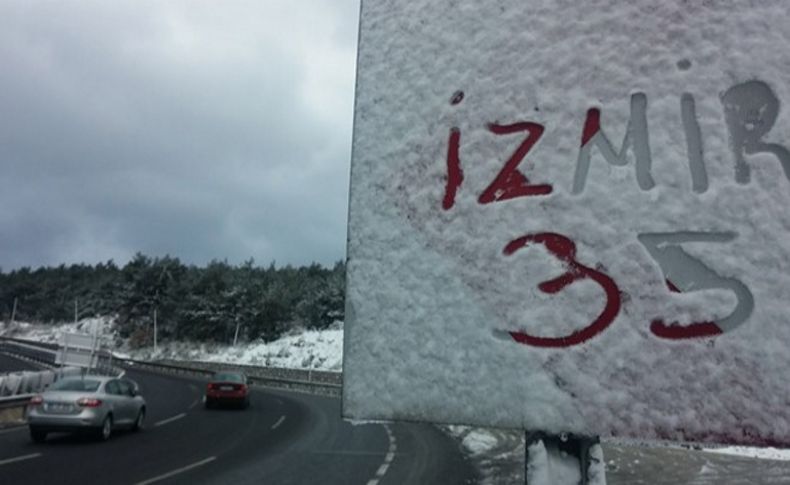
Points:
[(310, 349), (480, 441), (763, 453), (306, 349), (102, 326), (476, 441)]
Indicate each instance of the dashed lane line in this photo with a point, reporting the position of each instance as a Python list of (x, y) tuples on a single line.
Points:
[(347, 453), (382, 470), (8, 461), (177, 471), (278, 423), (169, 420)]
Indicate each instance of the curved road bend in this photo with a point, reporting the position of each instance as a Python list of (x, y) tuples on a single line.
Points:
[(12, 364), (283, 438)]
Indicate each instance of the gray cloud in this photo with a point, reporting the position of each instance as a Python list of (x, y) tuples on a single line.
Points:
[(206, 130)]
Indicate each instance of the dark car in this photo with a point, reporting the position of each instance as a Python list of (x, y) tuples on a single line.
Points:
[(227, 388)]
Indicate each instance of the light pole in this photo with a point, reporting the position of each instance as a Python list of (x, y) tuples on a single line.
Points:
[(155, 342), (13, 311)]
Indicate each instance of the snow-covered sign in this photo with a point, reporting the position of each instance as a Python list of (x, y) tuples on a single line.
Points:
[(83, 341), (77, 349), (573, 217), (74, 357)]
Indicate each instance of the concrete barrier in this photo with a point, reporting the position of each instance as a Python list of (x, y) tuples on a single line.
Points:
[(13, 415), (11, 385), (17, 389)]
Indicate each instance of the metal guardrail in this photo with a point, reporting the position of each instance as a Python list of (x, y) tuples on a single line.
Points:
[(46, 354), (275, 373), (15, 401), (314, 382), (31, 382), (17, 388), (33, 343), (310, 381), (28, 351)]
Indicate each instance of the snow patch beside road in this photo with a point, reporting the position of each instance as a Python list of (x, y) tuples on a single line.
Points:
[(309, 349), (762, 453)]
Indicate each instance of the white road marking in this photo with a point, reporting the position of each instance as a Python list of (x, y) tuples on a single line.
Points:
[(382, 470), (169, 420), (346, 453), (194, 403), (177, 471), (278, 423), (19, 458), (11, 430)]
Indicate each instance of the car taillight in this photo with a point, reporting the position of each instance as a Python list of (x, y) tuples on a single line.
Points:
[(243, 387), (36, 400), (88, 402), (210, 387)]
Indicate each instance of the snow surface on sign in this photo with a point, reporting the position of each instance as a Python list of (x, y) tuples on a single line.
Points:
[(440, 283)]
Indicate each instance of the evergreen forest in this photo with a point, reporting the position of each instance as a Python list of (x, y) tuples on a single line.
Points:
[(190, 303)]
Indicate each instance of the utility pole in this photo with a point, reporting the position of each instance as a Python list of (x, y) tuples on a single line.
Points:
[(65, 349), (155, 343), (236, 335), (75, 310), (94, 343), (13, 311)]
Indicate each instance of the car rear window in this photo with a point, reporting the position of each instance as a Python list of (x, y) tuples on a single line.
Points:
[(83, 385), (228, 377)]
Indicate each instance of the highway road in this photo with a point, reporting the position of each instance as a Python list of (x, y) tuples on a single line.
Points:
[(12, 364), (283, 438)]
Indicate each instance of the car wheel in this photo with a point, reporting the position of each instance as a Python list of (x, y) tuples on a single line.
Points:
[(246, 403), (37, 435), (208, 404), (138, 423), (106, 429)]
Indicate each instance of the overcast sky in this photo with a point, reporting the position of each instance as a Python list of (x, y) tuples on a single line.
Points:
[(199, 129)]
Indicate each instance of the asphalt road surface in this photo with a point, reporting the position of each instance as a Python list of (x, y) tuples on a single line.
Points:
[(283, 438), (11, 364)]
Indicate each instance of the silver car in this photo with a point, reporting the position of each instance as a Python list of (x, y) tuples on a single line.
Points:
[(93, 404)]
